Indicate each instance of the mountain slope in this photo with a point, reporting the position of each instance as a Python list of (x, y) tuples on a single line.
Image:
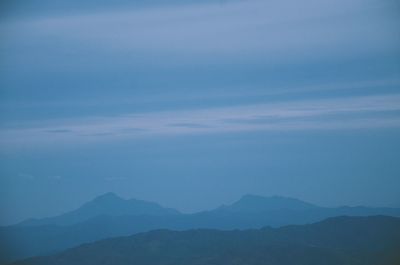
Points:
[(342, 240), (106, 204)]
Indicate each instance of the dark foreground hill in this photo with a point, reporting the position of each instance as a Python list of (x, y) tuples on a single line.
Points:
[(110, 216), (336, 241)]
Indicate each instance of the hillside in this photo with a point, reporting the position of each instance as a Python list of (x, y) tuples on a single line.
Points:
[(341, 240)]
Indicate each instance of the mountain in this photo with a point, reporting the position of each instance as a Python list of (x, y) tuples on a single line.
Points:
[(252, 211), (106, 204), (110, 216), (336, 241), (253, 203)]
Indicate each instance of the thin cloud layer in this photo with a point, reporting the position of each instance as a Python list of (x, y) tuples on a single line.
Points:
[(244, 29), (363, 112)]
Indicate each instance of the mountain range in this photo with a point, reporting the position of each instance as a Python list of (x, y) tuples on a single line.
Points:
[(340, 240), (110, 216)]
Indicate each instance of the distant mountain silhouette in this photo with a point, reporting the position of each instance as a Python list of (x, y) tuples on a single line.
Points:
[(110, 216), (252, 211), (106, 204), (336, 241), (257, 204)]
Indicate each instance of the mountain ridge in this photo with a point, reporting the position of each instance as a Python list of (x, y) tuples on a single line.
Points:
[(326, 242), (258, 203)]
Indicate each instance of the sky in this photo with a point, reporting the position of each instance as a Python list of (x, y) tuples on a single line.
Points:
[(193, 104)]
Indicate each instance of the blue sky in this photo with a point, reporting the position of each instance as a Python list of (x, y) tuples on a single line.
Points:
[(169, 102)]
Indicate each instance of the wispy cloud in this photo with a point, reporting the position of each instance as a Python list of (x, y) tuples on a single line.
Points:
[(115, 178), (26, 176), (275, 29), (201, 96), (189, 125), (320, 114), (56, 177), (59, 131), (31, 177)]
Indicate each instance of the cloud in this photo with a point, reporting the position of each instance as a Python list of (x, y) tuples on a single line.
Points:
[(26, 176), (274, 30), (59, 131), (189, 125), (130, 41), (362, 112), (32, 177), (56, 177), (115, 178), (98, 134)]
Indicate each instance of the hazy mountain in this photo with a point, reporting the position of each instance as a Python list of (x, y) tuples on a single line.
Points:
[(252, 211), (336, 241), (106, 204), (110, 216), (253, 203)]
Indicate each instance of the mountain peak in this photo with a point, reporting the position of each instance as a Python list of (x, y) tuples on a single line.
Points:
[(109, 196), (257, 203), (111, 204), (108, 204)]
